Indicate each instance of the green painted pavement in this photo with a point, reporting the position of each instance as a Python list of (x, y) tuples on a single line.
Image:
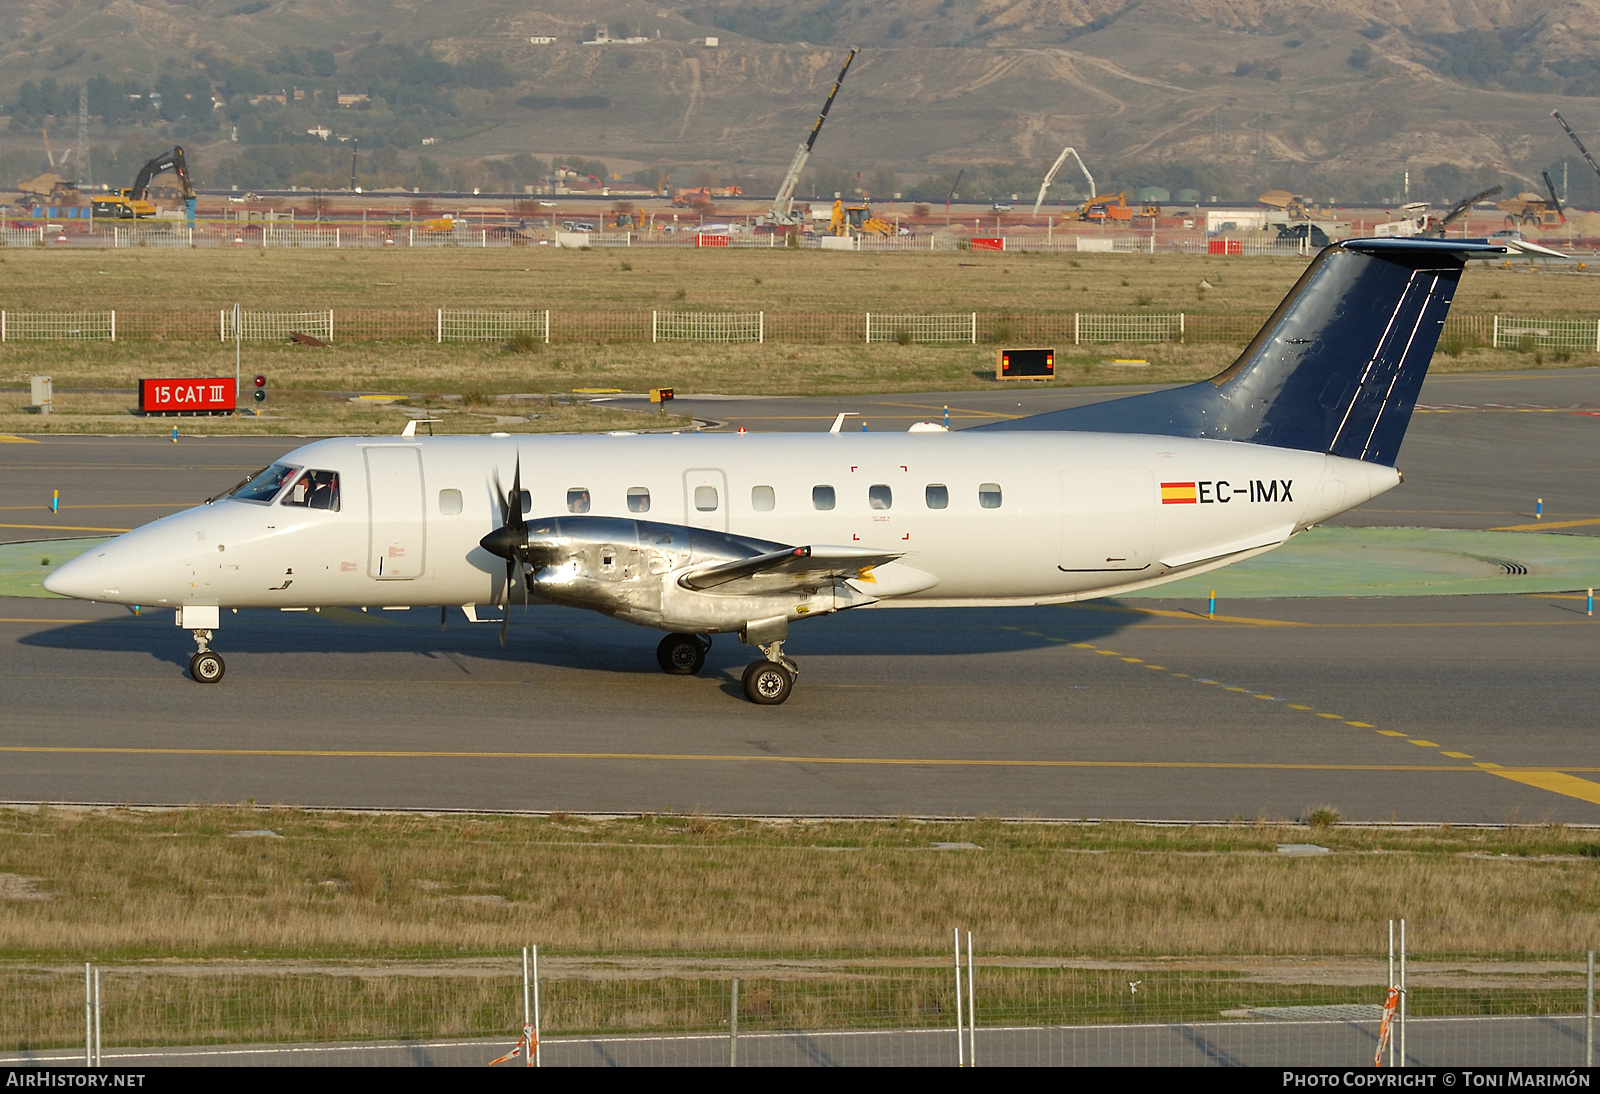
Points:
[(1321, 562), (1403, 562), (23, 566)]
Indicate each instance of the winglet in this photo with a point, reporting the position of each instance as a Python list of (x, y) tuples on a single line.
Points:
[(838, 423)]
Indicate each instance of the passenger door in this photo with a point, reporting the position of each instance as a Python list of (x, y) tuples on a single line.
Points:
[(395, 503)]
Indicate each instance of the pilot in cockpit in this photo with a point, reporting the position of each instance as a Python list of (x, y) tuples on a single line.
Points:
[(315, 490)]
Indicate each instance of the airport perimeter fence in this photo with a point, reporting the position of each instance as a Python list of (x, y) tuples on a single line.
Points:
[(820, 328), (920, 1006)]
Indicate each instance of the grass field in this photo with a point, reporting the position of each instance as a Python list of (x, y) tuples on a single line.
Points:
[(122, 885), (311, 388)]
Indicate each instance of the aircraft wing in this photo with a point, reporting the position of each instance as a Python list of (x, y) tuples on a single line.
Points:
[(802, 566)]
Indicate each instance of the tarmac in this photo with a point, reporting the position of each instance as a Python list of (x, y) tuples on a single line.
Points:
[(1425, 680)]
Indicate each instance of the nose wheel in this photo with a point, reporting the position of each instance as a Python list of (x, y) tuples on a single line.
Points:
[(769, 681), (205, 666), (682, 654)]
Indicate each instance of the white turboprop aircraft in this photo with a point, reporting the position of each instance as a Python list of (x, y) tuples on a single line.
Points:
[(700, 534)]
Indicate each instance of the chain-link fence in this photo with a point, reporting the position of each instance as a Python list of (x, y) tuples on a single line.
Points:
[(693, 326), (299, 237), (1461, 330), (152, 235), (1568, 334), (1128, 328), (57, 326), (894, 1007), (466, 325), (960, 327), (275, 326)]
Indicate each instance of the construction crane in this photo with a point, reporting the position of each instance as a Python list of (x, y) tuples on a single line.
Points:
[(782, 215), (134, 201), (1584, 152), (1051, 174)]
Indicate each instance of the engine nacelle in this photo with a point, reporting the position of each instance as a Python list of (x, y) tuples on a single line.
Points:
[(630, 569)]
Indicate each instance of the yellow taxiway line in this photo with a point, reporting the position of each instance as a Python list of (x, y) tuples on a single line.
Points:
[(720, 757)]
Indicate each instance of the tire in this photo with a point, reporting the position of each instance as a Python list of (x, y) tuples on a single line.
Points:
[(681, 654), (767, 683), (207, 667)]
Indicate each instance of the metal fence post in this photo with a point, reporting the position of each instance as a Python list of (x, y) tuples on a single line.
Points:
[(972, 1008), (538, 1050), (761, 327), (652, 326), (1402, 993), (88, 1015), (1588, 1016), (1494, 341), (113, 325), (1391, 983), (547, 326), (330, 324), (99, 1056), (439, 329), (961, 1045), (974, 328), (733, 1025), (1075, 318), (527, 1005)]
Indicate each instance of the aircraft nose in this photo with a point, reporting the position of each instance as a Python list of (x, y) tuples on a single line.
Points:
[(81, 578)]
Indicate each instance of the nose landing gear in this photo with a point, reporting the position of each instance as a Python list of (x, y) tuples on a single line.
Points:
[(768, 682), (205, 666)]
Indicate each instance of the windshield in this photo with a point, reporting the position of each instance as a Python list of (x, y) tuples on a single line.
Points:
[(265, 486)]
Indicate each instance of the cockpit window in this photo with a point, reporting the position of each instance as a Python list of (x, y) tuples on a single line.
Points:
[(265, 486), (315, 490)]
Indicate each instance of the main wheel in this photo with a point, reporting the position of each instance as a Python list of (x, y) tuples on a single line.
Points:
[(767, 683), (206, 667), (681, 654)]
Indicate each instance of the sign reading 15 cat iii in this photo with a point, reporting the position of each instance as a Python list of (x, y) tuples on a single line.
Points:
[(1215, 491)]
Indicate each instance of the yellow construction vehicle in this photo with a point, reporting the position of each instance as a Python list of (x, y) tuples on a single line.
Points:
[(1528, 208), (1105, 207), (134, 201), (857, 218)]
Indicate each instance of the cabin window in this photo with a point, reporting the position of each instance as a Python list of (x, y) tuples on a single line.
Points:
[(705, 499), (762, 499), (879, 496), (578, 499), (527, 502), (938, 496), (315, 490), (264, 486), (638, 499), (449, 502), (989, 495), (822, 497)]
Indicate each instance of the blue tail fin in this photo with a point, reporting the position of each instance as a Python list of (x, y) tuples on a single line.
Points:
[(1336, 369)]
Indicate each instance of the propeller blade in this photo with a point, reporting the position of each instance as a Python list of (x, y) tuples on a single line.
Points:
[(505, 605)]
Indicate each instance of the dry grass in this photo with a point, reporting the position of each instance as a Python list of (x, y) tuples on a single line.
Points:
[(126, 885), (310, 387), (774, 280)]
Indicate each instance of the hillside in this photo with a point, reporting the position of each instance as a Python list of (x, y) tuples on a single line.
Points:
[(1335, 98)]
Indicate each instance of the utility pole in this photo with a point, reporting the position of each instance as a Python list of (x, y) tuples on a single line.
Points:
[(84, 174)]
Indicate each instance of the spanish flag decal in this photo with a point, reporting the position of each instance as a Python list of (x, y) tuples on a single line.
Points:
[(1178, 493)]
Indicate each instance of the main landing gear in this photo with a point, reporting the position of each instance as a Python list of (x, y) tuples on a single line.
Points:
[(769, 681), (205, 666), (682, 654)]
